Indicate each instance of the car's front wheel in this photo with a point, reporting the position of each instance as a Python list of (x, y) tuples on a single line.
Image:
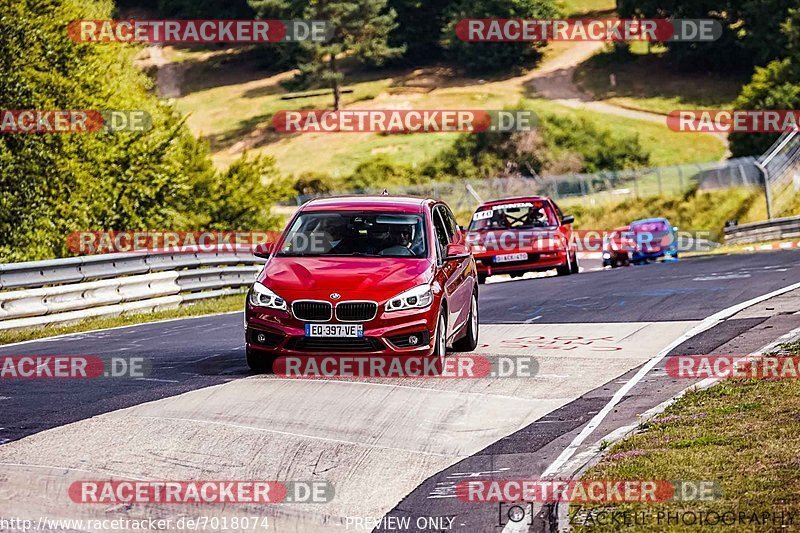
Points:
[(470, 339), (440, 343), (576, 267), (566, 268)]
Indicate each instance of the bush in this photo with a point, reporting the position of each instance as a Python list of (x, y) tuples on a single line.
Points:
[(493, 57), (559, 145)]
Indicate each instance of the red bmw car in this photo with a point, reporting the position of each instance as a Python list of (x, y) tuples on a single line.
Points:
[(369, 275), (518, 235)]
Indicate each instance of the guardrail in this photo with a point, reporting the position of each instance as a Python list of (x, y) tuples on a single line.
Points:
[(59, 291), (768, 230)]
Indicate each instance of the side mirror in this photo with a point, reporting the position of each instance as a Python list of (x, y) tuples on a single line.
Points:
[(262, 250), (456, 251), (568, 219)]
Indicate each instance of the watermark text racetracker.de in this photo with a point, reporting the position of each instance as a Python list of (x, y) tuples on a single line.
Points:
[(405, 366), (172, 241), (72, 367), (403, 121), (586, 491), (195, 492), (198, 31), (734, 121), (588, 29), (584, 240), (733, 367), (74, 121)]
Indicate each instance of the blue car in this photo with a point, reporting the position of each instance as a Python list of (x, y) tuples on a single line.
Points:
[(654, 238)]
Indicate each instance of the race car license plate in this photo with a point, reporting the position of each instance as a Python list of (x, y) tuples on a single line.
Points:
[(334, 330), (507, 258)]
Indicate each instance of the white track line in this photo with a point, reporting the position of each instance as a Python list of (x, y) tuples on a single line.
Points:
[(707, 323)]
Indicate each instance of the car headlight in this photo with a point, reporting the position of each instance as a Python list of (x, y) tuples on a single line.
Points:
[(261, 296), (416, 298)]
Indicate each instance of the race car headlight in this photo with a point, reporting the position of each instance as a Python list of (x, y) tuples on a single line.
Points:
[(261, 296), (416, 298), (478, 249)]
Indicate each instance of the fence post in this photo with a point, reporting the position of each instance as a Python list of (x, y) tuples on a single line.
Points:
[(767, 191)]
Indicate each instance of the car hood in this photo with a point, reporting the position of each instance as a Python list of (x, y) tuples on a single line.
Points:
[(367, 278)]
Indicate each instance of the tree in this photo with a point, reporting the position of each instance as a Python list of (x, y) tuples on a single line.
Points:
[(493, 56), (360, 29), (776, 86), (52, 184), (283, 55), (749, 30), (419, 27)]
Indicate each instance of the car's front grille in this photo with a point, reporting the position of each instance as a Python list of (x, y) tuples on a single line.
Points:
[(312, 310), (334, 344), (356, 311)]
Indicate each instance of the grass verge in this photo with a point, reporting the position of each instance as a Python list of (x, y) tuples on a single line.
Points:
[(742, 434), (234, 105), (203, 307), (693, 211), (649, 82)]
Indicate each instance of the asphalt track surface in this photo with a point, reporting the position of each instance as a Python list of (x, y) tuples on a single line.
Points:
[(616, 320)]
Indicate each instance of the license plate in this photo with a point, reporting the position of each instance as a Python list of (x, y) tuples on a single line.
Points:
[(334, 330), (507, 258)]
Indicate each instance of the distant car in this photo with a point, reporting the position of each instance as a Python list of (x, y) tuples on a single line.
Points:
[(524, 234), (642, 241), (618, 247), (382, 276)]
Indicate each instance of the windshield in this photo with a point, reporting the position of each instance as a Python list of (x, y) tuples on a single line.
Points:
[(356, 234), (650, 227), (518, 215)]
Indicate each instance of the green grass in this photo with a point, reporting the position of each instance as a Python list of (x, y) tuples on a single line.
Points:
[(742, 434), (231, 103), (203, 307), (648, 82), (699, 210), (578, 8), (666, 147)]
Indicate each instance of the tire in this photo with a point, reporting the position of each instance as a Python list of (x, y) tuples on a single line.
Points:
[(566, 268), (482, 279), (440, 343), (576, 267), (259, 362), (469, 341)]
